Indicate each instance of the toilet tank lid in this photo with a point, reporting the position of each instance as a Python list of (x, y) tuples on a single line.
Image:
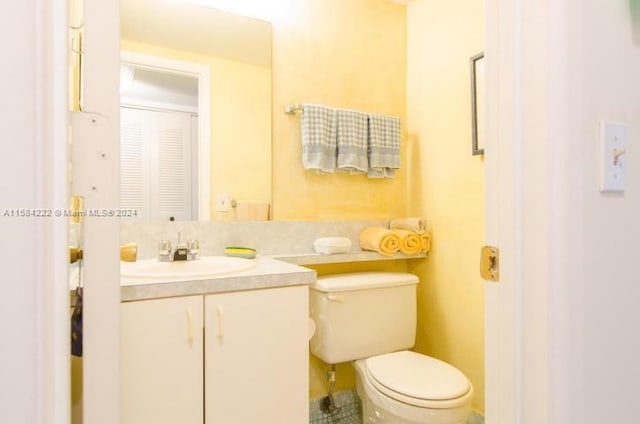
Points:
[(362, 280)]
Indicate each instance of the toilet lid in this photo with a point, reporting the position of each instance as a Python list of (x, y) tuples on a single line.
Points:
[(408, 375)]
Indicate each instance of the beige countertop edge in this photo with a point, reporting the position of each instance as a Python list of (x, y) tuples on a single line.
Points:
[(218, 285)]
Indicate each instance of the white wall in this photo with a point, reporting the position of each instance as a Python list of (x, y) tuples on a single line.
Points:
[(572, 307), (594, 67), (608, 62), (34, 326), (18, 292)]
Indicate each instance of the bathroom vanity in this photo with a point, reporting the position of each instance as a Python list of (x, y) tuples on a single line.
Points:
[(232, 348), (228, 349)]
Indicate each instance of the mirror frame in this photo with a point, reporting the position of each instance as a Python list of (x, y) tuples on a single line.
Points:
[(477, 144)]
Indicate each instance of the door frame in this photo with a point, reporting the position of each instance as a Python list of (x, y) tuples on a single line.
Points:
[(203, 74), (510, 313)]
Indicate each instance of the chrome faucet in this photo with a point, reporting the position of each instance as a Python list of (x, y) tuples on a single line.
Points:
[(182, 252)]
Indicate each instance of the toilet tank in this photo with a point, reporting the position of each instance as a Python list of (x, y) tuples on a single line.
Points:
[(363, 314)]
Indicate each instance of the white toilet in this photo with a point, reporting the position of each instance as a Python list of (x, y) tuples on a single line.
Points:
[(370, 318)]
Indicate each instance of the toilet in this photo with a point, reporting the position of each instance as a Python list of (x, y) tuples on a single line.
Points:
[(370, 318)]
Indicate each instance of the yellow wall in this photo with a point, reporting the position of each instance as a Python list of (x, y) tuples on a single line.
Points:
[(447, 182), (349, 54), (354, 54), (240, 125)]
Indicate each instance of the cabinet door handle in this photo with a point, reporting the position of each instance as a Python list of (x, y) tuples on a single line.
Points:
[(189, 326), (220, 321), (335, 298)]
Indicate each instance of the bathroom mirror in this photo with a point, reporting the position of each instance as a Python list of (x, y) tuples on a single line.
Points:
[(195, 111)]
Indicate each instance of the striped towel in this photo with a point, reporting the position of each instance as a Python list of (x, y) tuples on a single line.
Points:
[(319, 138), (384, 146), (352, 141)]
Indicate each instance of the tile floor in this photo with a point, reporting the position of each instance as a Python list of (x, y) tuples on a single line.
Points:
[(350, 411)]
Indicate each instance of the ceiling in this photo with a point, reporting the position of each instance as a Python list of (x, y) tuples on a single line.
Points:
[(151, 86), (199, 29)]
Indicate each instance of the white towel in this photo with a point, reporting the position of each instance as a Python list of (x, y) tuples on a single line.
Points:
[(352, 141), (384, 145), (319, 138), (416, 224)]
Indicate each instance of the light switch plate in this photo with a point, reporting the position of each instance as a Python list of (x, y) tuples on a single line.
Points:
[(613, 152)]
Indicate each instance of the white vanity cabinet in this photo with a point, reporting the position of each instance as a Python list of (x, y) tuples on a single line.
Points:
[(249, 365), (161, 361), (256, 356)]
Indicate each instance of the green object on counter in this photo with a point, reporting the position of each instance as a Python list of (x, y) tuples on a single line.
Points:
[(240, 252)]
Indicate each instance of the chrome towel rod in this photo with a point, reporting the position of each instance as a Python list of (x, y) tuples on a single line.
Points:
[(292, 109)]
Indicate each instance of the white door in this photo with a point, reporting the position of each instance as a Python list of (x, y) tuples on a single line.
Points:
[(522, 204), (257, 353), (161, 361), (501, 395)]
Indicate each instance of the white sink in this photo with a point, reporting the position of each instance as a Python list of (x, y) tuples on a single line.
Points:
[(152, 270)]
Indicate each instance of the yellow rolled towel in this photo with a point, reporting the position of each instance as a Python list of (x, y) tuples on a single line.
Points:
[(418, 225), (379, 239), (410, 242), (425, 241)]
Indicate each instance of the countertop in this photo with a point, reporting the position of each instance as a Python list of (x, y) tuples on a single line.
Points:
[(267, 273)]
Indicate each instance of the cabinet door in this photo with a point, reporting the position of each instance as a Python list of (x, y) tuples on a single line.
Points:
[(161, 361), (256, 361)]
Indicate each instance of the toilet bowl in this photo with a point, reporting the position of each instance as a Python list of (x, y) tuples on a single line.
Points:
[(370, 318), (409, 388)]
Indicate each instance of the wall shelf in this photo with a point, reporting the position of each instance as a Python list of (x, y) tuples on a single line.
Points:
[(362, 256)]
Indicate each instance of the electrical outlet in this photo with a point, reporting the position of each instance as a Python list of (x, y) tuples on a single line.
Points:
[(223, 203)]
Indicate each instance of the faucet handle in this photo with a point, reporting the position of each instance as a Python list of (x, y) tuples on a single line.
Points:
[(193, 247), (164, 250), (164, 247)]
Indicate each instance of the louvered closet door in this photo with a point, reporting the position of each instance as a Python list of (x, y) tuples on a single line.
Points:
[(135, 135), (171, 190), (156, 164)]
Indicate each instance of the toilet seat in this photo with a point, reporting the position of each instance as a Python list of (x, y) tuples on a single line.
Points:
[(418, 380)]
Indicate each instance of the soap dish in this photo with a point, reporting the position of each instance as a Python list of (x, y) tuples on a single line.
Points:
[(240, 252), (332, 245)]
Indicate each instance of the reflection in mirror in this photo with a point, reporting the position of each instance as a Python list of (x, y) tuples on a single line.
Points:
[(195, 112), (163, 146)]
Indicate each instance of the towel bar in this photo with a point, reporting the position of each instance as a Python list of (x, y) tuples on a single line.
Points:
[(292, 109)]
